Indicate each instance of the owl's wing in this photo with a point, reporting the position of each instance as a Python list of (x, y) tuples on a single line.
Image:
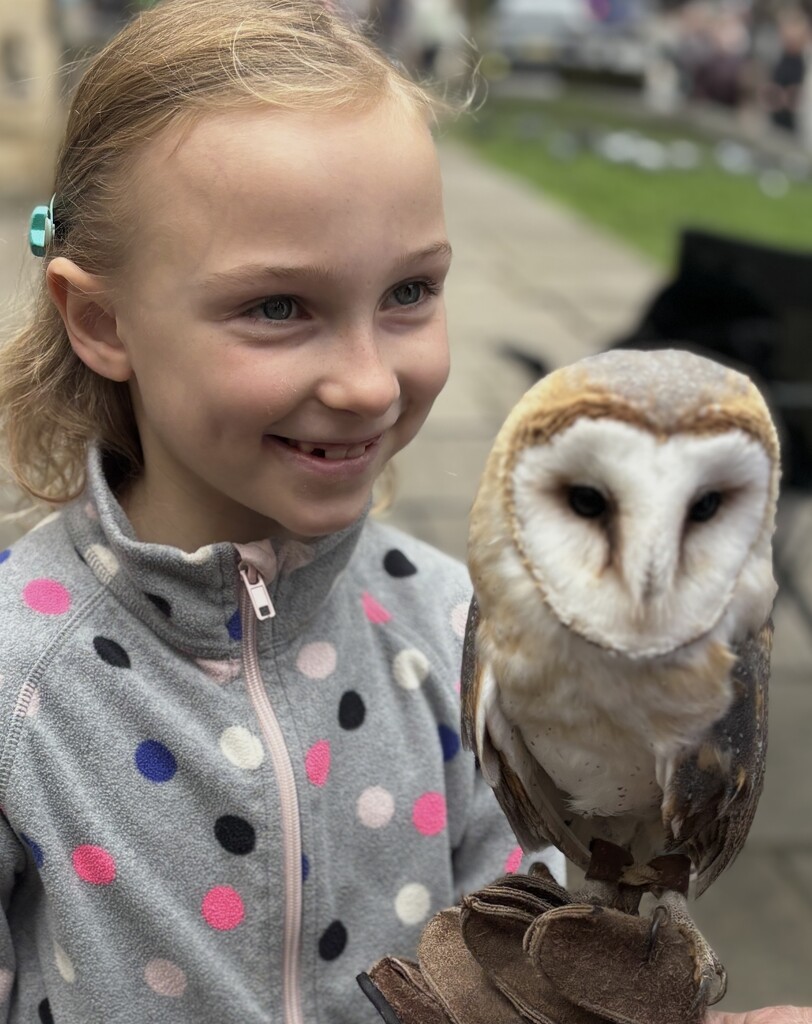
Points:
[(532, 803), (711, 798)]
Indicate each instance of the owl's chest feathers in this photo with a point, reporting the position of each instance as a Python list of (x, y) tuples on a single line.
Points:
[(600, 724)]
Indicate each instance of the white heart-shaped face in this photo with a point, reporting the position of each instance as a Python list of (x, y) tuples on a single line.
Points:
[(637, 543)]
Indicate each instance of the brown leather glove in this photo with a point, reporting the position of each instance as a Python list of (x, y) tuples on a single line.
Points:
[(520, 950)]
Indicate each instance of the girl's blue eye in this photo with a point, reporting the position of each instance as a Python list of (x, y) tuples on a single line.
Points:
[(279, 307), (408, 294)]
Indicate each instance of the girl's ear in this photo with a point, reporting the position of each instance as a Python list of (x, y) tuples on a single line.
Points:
[(89, 319)]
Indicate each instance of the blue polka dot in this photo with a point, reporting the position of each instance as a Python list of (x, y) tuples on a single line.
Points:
[(305, 867), (35, 848), (4, 555), (234, 626), (155, 761), (449, 741)]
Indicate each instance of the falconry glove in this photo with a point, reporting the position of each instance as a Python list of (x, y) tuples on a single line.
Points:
[(522, 950)]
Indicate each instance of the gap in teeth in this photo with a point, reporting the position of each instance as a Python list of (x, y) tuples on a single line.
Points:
[(332, 454)]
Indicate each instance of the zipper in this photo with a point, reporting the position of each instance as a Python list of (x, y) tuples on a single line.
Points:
[(256, 605)]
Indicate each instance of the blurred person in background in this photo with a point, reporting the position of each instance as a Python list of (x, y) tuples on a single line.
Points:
[(431, 36), (784, 89)]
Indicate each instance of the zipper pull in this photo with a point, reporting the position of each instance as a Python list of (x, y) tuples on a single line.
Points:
[(258, 593)]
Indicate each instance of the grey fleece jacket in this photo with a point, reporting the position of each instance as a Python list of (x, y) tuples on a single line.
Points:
[(212, 817)]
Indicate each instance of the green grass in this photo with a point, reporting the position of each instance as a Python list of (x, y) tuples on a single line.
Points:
[(646, 209)]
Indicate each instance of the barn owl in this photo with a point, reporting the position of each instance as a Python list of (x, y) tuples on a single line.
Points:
[(617, 650)]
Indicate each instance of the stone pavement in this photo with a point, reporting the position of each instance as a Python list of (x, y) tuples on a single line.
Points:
[(531, 274)]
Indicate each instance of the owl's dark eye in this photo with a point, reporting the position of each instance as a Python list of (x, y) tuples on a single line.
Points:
[(705, 508), (587, 502)]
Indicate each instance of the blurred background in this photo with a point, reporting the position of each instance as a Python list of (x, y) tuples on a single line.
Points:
[(628, 172)]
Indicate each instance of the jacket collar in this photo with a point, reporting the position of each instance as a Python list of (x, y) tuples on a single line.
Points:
[(191, 600)]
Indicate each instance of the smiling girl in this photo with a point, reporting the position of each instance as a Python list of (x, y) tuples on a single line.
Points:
[(231, 774)]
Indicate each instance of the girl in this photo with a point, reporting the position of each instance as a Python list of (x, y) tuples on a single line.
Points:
[(230, 766)]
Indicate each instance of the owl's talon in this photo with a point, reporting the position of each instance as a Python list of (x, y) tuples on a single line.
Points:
[(658, 918), (708, 994)]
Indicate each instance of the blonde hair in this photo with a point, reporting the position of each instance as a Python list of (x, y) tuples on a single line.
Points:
[(175, 62)]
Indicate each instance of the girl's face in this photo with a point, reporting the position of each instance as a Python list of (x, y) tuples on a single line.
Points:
[(283, 320)]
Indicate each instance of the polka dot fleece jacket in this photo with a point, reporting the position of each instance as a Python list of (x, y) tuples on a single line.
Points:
[(211, 818)]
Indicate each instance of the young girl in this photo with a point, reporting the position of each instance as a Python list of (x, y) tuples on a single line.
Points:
[(230, 764)]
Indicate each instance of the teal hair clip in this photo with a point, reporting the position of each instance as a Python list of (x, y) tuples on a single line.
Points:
[(41, 228)]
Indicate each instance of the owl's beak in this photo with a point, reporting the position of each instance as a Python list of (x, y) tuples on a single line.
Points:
[(649, 571)]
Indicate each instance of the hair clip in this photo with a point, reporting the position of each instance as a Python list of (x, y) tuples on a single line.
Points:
[(41, 228)]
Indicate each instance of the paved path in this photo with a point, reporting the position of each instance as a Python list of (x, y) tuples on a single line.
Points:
[(530, 274)]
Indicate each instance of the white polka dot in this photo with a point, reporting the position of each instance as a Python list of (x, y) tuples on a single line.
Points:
[(91, 511), (33, 704), (44, 522), (242, 747), (103, 561), (165, 978), (459, 616), (198, 557), (317, 660), (6, 981), (375, 807), (64, 964), (412, 903), (410, 668)]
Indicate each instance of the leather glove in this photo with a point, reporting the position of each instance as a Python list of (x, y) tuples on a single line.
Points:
[(520, 950)]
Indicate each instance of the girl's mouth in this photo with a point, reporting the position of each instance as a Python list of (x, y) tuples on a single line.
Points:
[(325, 450)]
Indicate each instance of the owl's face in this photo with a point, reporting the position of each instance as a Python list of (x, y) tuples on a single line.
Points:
[(637, 542)]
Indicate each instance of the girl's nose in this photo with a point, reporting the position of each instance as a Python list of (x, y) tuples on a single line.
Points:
[(359, 379)]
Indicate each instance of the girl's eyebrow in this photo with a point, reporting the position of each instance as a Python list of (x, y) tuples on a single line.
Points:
[(251, 272)]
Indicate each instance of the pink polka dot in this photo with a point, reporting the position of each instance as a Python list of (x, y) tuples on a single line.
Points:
[(94, 864), (220, 671), (223, 908), (46, 596), (429, 814), (317, 660), (374, 612), (514, 860), (317, 762), (458, 686)]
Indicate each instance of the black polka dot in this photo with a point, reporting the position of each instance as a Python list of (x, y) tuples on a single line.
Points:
[(397, 564), (161, 604), (111, 652), (351, 710), (45, 1014), (235, 834), (333, 941)]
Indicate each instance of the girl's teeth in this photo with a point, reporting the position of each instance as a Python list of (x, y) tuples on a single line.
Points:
[(333, 454)]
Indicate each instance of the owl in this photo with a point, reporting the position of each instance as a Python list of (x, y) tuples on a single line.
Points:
[(617, 650)]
